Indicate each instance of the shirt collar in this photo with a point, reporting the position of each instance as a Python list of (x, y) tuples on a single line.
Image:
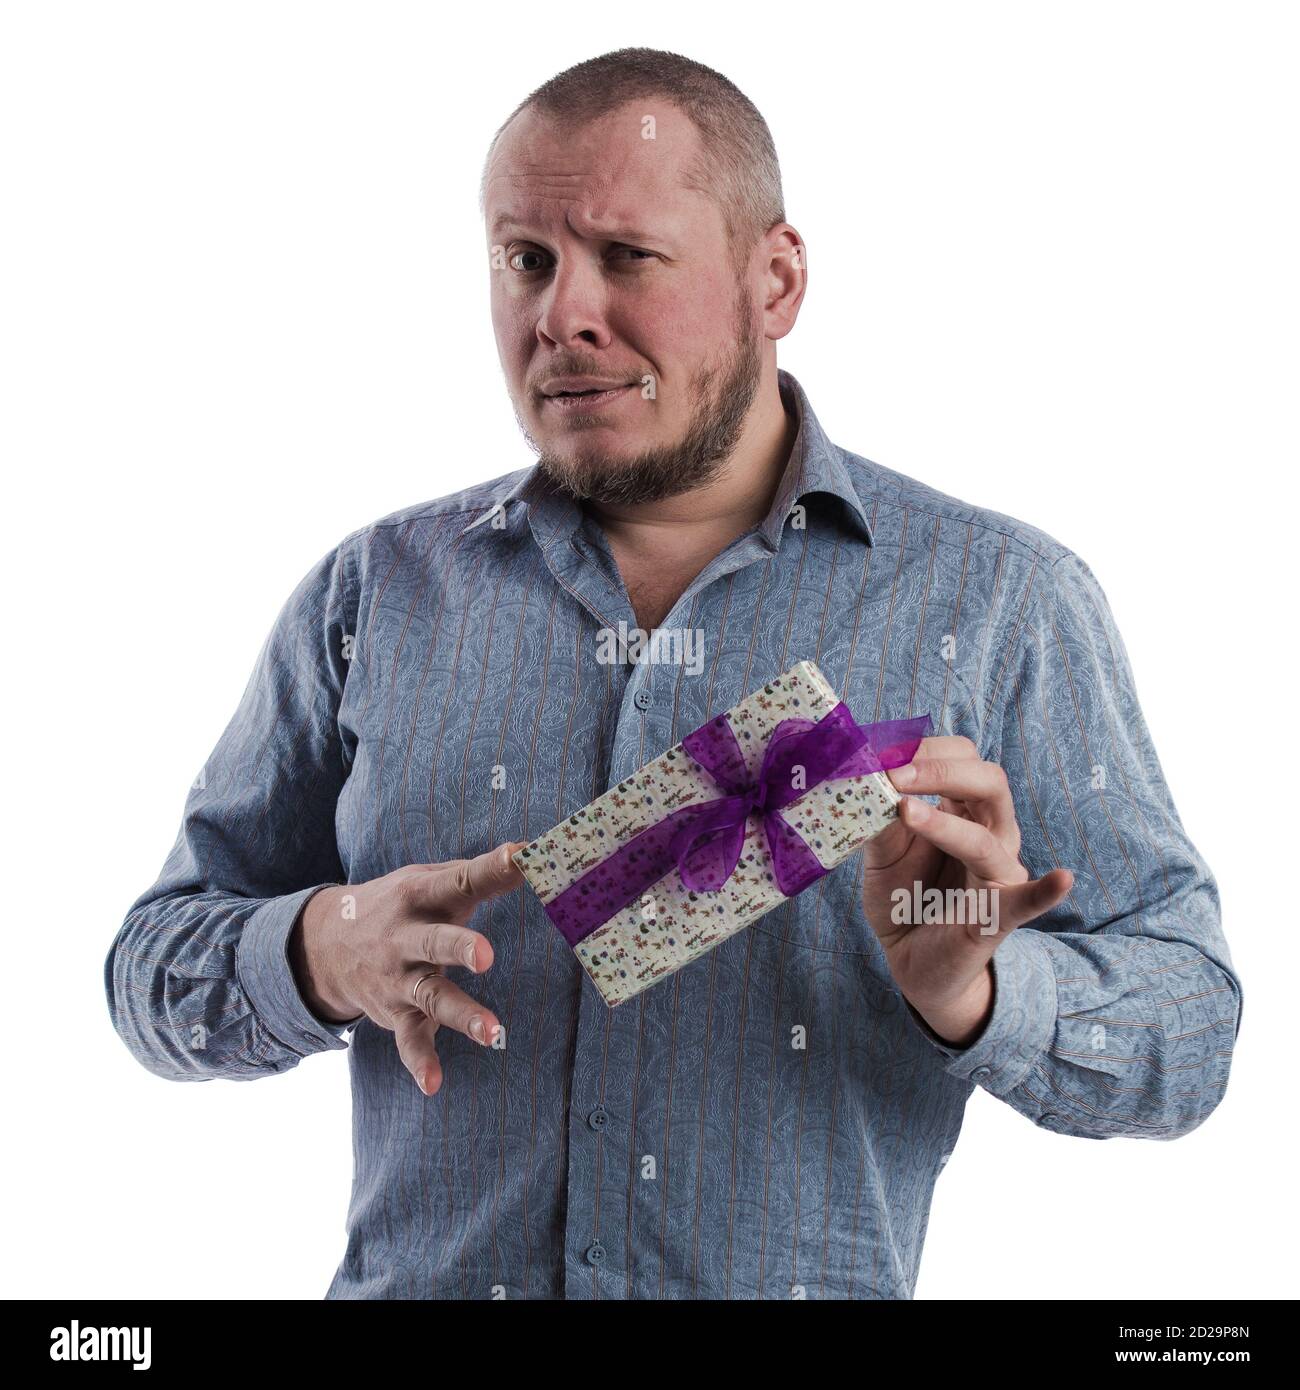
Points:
[(815, 466)]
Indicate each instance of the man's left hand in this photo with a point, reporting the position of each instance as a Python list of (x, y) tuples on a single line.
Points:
[(971, 840)]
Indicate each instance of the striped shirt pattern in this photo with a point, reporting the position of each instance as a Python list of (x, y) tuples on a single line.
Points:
[(770, 1121)]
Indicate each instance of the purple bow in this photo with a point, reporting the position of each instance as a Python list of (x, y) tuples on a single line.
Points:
[(704, 841)]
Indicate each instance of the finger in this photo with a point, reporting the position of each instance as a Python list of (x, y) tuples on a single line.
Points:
[(447, 943), (414, 1033), (983, 786), (947, 746), (450, 1007), (884, 850), (461, 886), (1019, 903), (975, 845)]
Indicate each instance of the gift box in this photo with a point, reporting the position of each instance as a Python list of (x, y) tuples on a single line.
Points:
[(744, 813)]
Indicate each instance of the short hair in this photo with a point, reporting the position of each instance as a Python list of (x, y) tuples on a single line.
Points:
[(737, 164)]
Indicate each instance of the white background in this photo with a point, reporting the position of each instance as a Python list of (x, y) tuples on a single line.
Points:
[(244, 310)]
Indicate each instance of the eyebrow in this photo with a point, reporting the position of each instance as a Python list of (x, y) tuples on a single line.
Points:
[(504, 220)]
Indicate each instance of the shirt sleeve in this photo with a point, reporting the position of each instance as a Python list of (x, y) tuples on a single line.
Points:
[(1115, 1013), (198, 977)]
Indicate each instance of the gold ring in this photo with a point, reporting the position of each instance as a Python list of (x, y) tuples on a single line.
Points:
[(415, 988)]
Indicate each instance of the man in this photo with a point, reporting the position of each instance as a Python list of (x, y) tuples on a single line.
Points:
[(768, 1122)]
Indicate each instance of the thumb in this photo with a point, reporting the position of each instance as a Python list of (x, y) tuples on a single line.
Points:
[(1019, 903)]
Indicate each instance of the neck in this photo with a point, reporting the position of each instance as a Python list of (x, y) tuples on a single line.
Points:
[(709, 518)]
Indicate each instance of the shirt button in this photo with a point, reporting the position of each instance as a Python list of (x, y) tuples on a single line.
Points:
[(643, 699), (979, 1073), (595, 1254), (1050, 1121), (598, 1118)]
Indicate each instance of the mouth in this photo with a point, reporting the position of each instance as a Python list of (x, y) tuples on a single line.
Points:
[(586, 400)]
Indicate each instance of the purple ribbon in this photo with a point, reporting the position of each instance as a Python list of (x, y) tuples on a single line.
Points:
[(703, 842)]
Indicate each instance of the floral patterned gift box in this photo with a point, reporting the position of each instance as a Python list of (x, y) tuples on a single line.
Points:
[(741, 815)]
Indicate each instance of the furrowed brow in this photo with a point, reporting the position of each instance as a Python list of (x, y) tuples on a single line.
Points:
[(630, 234)]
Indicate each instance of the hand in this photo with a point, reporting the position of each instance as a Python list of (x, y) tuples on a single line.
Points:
[(364, 948), (971, 840)]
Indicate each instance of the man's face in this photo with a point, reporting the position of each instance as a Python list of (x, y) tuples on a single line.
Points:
[(611, 271)]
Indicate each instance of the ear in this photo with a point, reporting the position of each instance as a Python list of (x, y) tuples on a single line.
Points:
[(784, 260)]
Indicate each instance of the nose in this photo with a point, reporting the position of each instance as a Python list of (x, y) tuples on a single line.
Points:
[(573, 307)]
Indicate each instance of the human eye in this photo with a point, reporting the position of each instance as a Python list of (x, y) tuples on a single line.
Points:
[(633, 253), (526, 251)]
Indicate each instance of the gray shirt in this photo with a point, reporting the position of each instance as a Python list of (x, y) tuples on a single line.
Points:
[(768, 1122)]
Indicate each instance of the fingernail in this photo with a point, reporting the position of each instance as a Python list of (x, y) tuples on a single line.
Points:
[(476, 1029), (917, 808), (467, 955), (905, 775), (419, 1081)]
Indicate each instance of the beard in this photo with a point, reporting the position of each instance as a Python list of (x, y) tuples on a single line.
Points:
[(720, 400)]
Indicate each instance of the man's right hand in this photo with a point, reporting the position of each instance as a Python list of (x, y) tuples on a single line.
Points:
[(382, 949)]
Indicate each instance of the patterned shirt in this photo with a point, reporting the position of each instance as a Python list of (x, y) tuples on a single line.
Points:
[(769, 1121)]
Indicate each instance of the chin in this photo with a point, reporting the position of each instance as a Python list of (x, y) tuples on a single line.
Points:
[(597, 461), (581, 476)]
